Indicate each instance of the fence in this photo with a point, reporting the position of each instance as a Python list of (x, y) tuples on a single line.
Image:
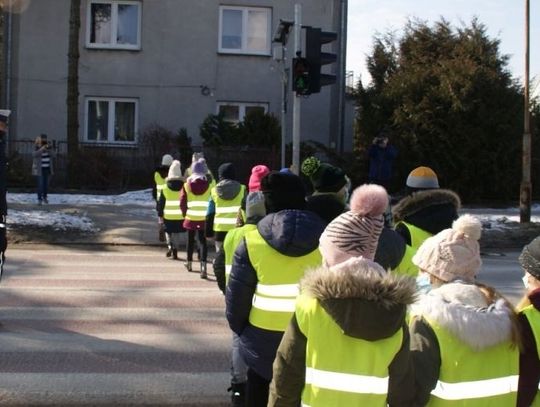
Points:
[(100, 167)]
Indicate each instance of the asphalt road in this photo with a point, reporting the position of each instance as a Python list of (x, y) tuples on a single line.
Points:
[(115, 326)]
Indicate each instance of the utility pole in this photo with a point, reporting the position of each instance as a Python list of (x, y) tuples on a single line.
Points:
[(341, 73), (297, 98), (525, 195)]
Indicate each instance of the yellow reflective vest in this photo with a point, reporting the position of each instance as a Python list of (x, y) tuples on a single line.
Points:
[(342, 370), (278, 276), (226, 210), (418, 236), (533, 316), (171, 211), (475, 378), (160, 183), (197, 205), (231, 242)]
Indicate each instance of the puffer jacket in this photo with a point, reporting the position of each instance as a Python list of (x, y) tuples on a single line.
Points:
[(368, 307), (292, 233), (466, 312)]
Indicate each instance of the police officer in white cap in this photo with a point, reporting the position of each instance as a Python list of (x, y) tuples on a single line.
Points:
[(4, 115)]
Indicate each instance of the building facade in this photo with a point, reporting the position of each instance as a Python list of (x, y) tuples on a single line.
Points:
[(164, 62)]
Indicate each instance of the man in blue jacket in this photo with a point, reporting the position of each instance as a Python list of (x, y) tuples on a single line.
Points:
[(266, 270)]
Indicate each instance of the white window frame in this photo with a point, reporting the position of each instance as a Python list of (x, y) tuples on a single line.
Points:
[(112, 116), (241, 108), (245, 14), (114, 22)]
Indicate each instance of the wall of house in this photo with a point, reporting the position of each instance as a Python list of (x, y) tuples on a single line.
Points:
[(178, 57)]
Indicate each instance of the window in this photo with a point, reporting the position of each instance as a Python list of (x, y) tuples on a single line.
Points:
[(111, 120), (235, 112), (244, 30), (114, 24)]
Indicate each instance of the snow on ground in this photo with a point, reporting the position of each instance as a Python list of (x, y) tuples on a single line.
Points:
[(142, 201), (60, 220)]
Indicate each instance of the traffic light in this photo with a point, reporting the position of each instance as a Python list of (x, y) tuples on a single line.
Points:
[(301, 80), (316, 58)]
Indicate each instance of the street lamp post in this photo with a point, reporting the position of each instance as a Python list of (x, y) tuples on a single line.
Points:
[(526, 188)]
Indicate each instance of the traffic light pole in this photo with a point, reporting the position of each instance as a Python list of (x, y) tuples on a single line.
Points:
[(525, 195), (297, 98)]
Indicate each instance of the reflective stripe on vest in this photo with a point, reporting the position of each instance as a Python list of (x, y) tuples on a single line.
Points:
[(172, 204), (533, 316), (476, 378), (418, 236), (342, 370), (231, 242), (278, 277), (226, 210), (197, 205), (160, 183)]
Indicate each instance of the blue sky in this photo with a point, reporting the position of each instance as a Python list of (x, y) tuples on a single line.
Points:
[(504, 20)]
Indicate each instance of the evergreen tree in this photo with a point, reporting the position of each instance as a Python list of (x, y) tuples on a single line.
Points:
[(452, 105)]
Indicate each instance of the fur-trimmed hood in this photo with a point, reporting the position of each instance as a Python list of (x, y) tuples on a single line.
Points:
[(465, 311), (432, 210), (365, 306)]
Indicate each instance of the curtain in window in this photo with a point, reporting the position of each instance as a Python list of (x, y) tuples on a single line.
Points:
[(124, 124), (128, 16), (98, 120), (257, 30), (101, 25)]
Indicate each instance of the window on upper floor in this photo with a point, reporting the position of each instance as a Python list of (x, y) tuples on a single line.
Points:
[(111, 120), (114, 24), (244, 30), (235, 112)]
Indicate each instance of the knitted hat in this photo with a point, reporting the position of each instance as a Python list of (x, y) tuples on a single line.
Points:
[(255, 205), (257, 173), (175, 171), (324, 177), (530, 258), (199, 167), (226, 171), (167, 160), (422, 178), (4, 115), (355, 233), (283, 191), (453, 253)]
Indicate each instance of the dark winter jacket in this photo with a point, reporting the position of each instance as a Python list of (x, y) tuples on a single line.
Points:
[(292, 233), (529, 365), (380, 162), (198, 186), (465, 311), (171, 226), (226, 189), (368, 307), (431, 210), (327, 205)]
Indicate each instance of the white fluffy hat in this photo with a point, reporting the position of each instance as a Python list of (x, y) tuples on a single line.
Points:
[(453, 253), (175, 171)]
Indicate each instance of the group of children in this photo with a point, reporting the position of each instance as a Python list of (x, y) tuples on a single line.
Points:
[(331, 305)]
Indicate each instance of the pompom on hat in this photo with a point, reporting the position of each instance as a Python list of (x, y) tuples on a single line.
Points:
[(324, 177), (422, 178), (452, 254), (355, 233), (175, 171), (166, 160), (529, 258), (257, 174)]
